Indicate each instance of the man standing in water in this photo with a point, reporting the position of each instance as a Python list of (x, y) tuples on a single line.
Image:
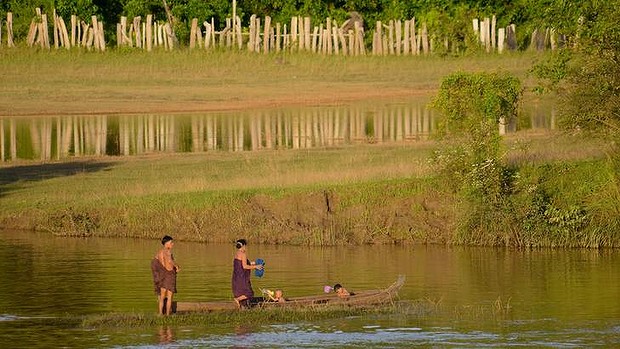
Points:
[(165, 270)]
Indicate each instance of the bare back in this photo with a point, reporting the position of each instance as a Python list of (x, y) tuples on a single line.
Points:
[(166, 259)]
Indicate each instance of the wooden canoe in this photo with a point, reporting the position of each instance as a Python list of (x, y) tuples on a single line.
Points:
[(359, 298)]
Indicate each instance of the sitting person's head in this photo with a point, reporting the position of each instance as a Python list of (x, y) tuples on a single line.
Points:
[(279, 295), (341, 291)]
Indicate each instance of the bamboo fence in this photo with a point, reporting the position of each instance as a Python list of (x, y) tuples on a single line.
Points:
[(395, 37)]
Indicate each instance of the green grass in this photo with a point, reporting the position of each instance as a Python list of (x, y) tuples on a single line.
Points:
[(281, 315), (120, 81)]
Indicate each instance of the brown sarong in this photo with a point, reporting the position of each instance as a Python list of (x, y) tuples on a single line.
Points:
[(163, 278)]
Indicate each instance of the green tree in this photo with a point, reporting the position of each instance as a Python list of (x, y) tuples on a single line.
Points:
[(473, 105)]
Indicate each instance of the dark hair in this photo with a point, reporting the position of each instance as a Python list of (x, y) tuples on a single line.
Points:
[(166, 239), (240, 243), (337, 287)]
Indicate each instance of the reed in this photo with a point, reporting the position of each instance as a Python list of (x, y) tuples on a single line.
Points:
[(258, 315)]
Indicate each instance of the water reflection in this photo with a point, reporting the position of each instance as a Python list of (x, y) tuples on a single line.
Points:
[(47, 138)]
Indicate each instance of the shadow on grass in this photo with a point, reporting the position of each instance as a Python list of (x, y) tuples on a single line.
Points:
[(11, 176)]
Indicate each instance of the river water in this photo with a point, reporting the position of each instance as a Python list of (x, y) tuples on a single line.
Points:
[(543, 298)]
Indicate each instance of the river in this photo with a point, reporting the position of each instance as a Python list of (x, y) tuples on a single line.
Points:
[(544, 298)]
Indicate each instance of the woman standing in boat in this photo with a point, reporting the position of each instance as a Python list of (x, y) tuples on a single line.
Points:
[(242, 269)]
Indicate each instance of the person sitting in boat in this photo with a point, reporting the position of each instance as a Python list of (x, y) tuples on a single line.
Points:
[(278, 296), (341, 291), (242, 269)]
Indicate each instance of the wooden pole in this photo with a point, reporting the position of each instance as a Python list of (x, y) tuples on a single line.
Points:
[(207, 34), (9, 29), (398, 31), (294, 27), (425, 46), (252, 31), (406, 43), (238, 31), (55, 26), (64, 33), (266, 34), (335, 38), (307, 39), (192, 33), (301, 30), (278, 37), (234, 19), (378, 49), (391, 37), (73, 29), (149, 32), (501, 35), (359, 38), (493, 29)]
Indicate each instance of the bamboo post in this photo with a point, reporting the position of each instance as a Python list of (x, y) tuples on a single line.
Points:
[(398, 31), (73, 29), (378, 39), (266, 34), (487, 34), (101, 37), (257, 41), (406, 43), (493, 25), (415, 48), (169, 35), (252, 31), (9, 29), (301, 30), (55, 26), (278, 37), (149, 32), (391, 37), (328, 36), (213, 31), (351, 45), (315, 39), (501, 35), (238, 31), (137, 30), (359, 39), (343, 42), (45, 31), (95, 32), (334, 34), (476, 26), (64, 33), (307, 39), (119, 35), (85, 31), (192, 33), (234, 19), (321, 46), (228, 33), (294, 27), (424, 35)]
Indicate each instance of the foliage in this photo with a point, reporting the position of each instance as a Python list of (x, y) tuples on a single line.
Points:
[(447, 19), (473, 105)]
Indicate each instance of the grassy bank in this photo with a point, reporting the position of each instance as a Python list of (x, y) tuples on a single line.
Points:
[(564, 193), (76, 82), (359, 194)]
